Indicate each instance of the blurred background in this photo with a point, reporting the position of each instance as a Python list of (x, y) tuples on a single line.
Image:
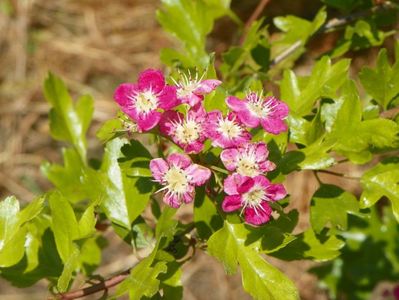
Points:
[(94, 45)]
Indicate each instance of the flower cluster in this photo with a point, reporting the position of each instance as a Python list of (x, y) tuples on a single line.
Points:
[(152, 102)]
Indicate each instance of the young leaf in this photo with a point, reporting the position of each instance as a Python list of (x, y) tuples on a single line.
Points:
[(382, 180), (68, 122), (382, 83), (330, 205), (260, 279)]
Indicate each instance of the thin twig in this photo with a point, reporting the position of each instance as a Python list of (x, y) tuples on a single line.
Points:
[(102, 286), (255, 14), (317, 177), (338, 174), (331, 25)]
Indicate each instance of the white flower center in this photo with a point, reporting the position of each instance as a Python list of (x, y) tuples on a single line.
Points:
[(187, 131), (253, 199), (187, 84), (247, 165), (229, 128), (176, 179), (145, 102), (186, 89), (258, 105)]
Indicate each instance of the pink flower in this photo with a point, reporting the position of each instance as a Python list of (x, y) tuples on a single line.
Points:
[(248, 160), (227, 131), (192, 90), (256, 109), (142, 101), (186, 131), (252, 196), (179, 176)]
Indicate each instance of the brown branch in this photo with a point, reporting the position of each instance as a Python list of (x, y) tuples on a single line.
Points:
[(255, 14), (338, 174), (334, 24), (390, 113), (102, 286)]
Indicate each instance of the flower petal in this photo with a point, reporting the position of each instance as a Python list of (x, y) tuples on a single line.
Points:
[(168, 99), (180, 160), (123, 93), (229, 158), (231, 203), (274, 126), (148, 121), (280, 110), (188, 196), (259, 216), (194, 147), (168, 119), (246, 185), (207, 86), (172, 200), (192, 99), (261, 151), (235, 104), (158, 167), (232, 182), (248, 118), (276, 192), (151, 79), (198, 175)]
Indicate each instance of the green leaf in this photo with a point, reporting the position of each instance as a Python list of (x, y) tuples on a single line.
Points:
[(109, 130), (87, 222), (382, 180), (260, 279), (68, 122), (309, 246), (206, 217), (198, 18), (353, 137), (123, 198), (70, 265), (330, 206), (166, 226), (324, 81), (382, 83), (142, 280), (71, 179), (13, 228), (64, 225)]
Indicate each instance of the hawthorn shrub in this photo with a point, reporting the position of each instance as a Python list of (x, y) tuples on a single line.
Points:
[(223, 142)]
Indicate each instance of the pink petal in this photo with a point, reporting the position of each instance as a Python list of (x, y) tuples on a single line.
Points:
[(246, 185), (231, 203), (274, 126), (168, 99), (258, 217), (198, 112), (248, 118), (148, 121), (123, 92), (276, 192), (192, 99), (180, 160), (198, 174), (194, 147), (261, 151), (188, 196), (229, 158), (266, 166), (235, 104), (232, 182), (207, 86), (158, 167), (262, 181), (280, 110), (168, 119), (172, 200), (151, 80)]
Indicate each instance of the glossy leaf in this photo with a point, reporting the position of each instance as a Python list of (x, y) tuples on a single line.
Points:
[(330, 206), (382, 83), (260, 279), (68, 122), (382, 180)]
